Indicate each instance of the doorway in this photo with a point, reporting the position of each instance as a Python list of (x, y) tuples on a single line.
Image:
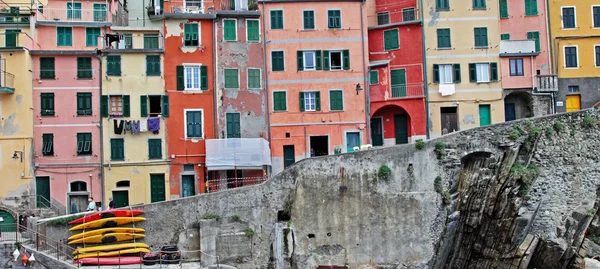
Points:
[(449, 117), (485, 115), (234, 178), (11, 38), (157, 188), (289, 155), (7, 221), (352, 140), (121, 198), (188, 187), (78, 203), (319, 145), (401, 128), (509, 112), (42, 192), (573, 102), (377, 131)]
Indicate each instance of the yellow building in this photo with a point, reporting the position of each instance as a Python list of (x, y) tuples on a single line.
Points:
[(136, 165), (575, 39), (16, 108), (462, 58)]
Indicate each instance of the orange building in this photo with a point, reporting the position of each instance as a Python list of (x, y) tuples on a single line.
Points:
[(315, 71)]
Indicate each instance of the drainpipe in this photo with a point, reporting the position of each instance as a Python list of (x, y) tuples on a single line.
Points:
[(268, 106), (101, 128), (367, 91), (549, 33), (215, 59), (426, 92)]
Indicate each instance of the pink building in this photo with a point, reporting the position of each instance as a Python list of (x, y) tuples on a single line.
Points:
[(66, 90), (525, 59)]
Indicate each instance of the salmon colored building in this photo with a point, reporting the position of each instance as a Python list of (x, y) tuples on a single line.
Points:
[(316, 76), (397, 99), (189, 84)]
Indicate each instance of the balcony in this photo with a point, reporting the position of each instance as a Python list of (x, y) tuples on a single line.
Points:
[(384, 19), (77, 77), (132, 42), (7, 81), (179, 7), (13, 40), (239, 5), (547, 83), (407, 90), (510, 48), (73, 16)]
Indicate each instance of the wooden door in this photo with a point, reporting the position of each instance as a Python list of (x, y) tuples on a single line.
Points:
[(157, 188), (573, 103), (401, 126), (289, 156), (376, 131), (77, 203), (398, 79), (11, 38), (121, 198), (449, 122), (485, 115), (187, 186), (7, 222), (352, 140), (509, 112), (42, 192)]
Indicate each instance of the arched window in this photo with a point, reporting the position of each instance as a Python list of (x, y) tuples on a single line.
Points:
[(123, 183), (78, 186)]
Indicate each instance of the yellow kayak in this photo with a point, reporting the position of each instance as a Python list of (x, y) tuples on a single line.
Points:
[(114, 253), (107, 223), (105, 231), (109, 248), (107, 238)]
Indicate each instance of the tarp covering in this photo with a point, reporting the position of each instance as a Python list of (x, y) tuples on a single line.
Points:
[(237, 153)]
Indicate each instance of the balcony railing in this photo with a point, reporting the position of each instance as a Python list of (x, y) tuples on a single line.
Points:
[(217, 185), (12, 39), (7, 82), (407, 91), (547, 83), (406, 15), (516, 47), (409, 14), (62, 74), (74, 15), (239, 5), (139, 41)]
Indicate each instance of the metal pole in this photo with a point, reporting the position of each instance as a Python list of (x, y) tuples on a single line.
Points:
[(98, 258), (119, 259)]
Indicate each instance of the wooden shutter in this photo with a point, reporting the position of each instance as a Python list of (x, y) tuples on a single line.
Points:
[(301, 101), (180, 77), (126, 106), (104, 105), (325, 60), (318, 101), (144, 106), (504, 8), (494, 71), (165, 105), (203, 77), (457, 77), (346, 59), (318, 64), (472, 73), (436, 73), (300, 60)]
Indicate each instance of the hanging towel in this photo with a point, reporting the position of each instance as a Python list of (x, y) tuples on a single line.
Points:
[(135, 127), (153, 124), (127, 127), (118, 126), (143, 126)]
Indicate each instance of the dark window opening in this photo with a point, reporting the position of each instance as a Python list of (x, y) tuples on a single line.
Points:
[(123, 183), (154, 102), (336, 60), (234, 179), (78, 186), (283, 216), (188, 168), (311, 235), (287, 135), (319, 146)]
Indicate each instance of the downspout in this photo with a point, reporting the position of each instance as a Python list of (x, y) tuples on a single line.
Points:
[(215, 59), (426, 92), (101, 125), (550, 56), (265, 75), (367, 91)]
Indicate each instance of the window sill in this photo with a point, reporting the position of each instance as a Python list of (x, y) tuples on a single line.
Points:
[(258, 89), (111, 75), (480, 8), (54, 78), (192, 138), (392, 49), (576, 67), (276, 29), (152, 75), (84, 78), (85, 115), (226, 88), (332, 110), (481, 47), (253, 41), (230, 40), (574, 28), (47, 115), (279, 111), (532, 15), (442, 9), (84, 154), (449, 48), (50, 155), (308, 30), (119, 160)]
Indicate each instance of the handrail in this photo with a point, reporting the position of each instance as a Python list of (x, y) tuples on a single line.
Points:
[(52, 207), (38, 241)]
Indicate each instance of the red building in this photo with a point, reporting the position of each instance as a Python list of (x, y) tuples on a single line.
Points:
[(188, 65), (397, 94)]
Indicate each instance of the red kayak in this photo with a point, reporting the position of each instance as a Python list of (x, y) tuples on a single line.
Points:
[(107, 214), (111, 260)]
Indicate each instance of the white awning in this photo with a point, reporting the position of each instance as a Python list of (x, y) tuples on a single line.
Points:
[(237, 153)]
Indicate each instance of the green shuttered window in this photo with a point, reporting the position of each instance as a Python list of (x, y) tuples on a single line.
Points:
[(481, 39), (47, 104), (254, 78), (150, 41), (117, 149), (113, 65), (84, 67), (232, 80), (336, 100), (505, 37), (84, 143), (47, 68), (233, 125), (276, 19), (191, 36), (154, 148), (193, 121), (91, 36), (442, 5), (253, 33), (84, 104), (64, 36), (230, 30), (47, 144), (373, 77), (277, 62), (391, 39), (153, 65), (309, 19), (73, 10), (443, 38), (334, 19), (535, 36), (479, 4), (504, 9), (531, 8), (279, 101)]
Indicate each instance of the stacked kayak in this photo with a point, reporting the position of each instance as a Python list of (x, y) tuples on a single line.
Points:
[(103, 239)]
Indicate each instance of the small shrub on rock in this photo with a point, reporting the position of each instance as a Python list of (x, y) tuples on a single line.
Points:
[(446, 197), (437, 184), (249, 232), (588, 122), (558, 126), (385, 173), (439, 146), (514, 135), (211, 216), (420, 144)]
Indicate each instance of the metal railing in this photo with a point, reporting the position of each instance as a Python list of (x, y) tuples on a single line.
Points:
[(222, 184), (136, 41), (74, 15), (7, 80), (9, 40), (34, 240), (383, 18), (38, 202), (407, 90), (51, 74), (547, 83), (409, 14), (239, 5), (406, 15)]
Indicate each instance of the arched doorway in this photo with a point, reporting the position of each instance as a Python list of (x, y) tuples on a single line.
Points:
[(391, 125), (78, 196), (518, 105), (7, 221)]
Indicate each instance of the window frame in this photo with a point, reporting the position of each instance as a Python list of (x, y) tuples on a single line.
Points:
[(330, 91), (147, 37), (185, 76), (503, 35), (473, 2), (282, 59), (314, 58), (314, 26), (153, 140), (538, 41), (446, 8), (234, 32), (47, 71), (565, 56), (516, 72), (233, 134), (449, 38), (108, 62), (451, 66), (185, 126), (340, 18), (83, 151), (48, 153), (487, 39), (562, 25), (286, 100), (376, 72), (388, 17), (414, 14), (84, 96), (237, 70), (537, 11), (501, 16), (83, 72), (596, 53), (569, 87), (47, 112), (341, 52), (70, 43), (95, 43), (191, 40), (115, 158), (247, 30), (314, 93), (259, 78), (594, 26), (110, 106), (489, 73), (73, 11), (271, 19), (153, 74), (397, 36)]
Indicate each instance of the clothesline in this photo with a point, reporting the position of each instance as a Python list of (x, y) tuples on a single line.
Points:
[(136, 126)]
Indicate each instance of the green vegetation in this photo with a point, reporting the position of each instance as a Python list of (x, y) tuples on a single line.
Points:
[(549, 131), (529, 123), (249, 232), (524, 176), (446, 197), (558, 126), (420, 144), (62, 221), (440, 146), (211, 216), (588, 122), (514, 135), (573, 128), (289, 223), (384, 172), (594, 239), (437, 184), (235, 218), (590, 212), (18, 245), (520, 129)]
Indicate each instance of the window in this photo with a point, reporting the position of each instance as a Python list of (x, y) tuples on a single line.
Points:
[(309, 60), (279, 101), (276, 19), (536, 37), (84, 103), (531, 8), (232, 80), (230, 30), (154, 105), (84, 67), (73, 10), (597, 50), (573, 89), (64, 36), (571, 57), (116, 105), (336, 60), (446, 73), (383, 18), (188, 168), (152, 65), (391, 39), (84, 143), (47, 104), (483, 72), (309, 19), (233, 125), (123, 184), (568, 17), (113, 65), (408, 14), (191, 36), (151, 41), (128, 40), (336, 100), (334, 19), (47, 67), (505, 37), (253, 78), (252, 30), (47, 144), (516, 67), (596, 14), (91, 36), (154, 148), (99, 12), (117, 149), (481, 39), (78, 186), (443, 38), (309, 101), (192, 77), (442, 5), (373, 77), (479, 4), (277, 63), (193, 125), (504, 9)]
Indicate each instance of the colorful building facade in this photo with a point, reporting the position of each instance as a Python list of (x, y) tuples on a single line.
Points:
[(575, 38), (463, 65), (397, 98), (316, 74)]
